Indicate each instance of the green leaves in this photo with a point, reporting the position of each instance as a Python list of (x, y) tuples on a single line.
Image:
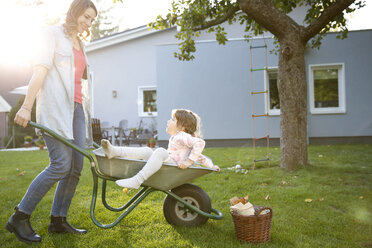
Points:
[(187, 47), (191, 16), (318, 8), (221, 35)]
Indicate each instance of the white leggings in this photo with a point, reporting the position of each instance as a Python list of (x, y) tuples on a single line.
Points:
[(155, 159)]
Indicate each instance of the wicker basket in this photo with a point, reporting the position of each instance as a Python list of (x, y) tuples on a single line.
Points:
[(253, 228)]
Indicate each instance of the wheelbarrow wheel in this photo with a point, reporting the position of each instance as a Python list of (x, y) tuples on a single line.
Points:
[(177, 214)]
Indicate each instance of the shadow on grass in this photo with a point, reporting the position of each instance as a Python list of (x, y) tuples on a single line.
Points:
[(222, 234), (212, 234)]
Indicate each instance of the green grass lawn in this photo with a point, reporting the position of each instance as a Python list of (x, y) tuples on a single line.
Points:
[(338, 181)]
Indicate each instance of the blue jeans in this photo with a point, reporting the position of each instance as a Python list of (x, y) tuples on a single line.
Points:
[(65, 168)]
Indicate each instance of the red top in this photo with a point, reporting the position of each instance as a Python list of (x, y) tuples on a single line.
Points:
[(80, 65)]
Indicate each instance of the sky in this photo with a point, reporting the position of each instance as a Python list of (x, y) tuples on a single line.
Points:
[(19, 24)]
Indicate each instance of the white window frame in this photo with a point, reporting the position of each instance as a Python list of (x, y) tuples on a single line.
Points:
[(141, 113), (341, 109), (272, 112)]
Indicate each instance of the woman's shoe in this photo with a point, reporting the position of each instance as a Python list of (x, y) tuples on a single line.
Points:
[(60, 225), (19, 224)]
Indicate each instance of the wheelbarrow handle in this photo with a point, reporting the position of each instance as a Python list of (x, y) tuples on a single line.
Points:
[(62, 139)]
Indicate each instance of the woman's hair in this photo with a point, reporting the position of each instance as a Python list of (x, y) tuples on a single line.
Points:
[(189, 121), (77, 8)]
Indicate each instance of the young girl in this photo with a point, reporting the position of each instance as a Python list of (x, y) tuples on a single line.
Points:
[(184, 148)]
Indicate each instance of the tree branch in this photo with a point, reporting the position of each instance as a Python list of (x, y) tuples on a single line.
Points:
[(328, 15), (220, 20), (268, 16)]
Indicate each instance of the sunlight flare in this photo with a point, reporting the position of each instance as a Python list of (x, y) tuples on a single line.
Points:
[(20, 25)]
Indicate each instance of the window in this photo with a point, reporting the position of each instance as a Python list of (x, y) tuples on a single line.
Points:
[(327, 89), (147, 101), (272, 83)]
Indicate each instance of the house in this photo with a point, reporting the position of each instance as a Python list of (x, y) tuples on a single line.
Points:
[(136, 77), (11, 77), (4, 110), (124, 75)]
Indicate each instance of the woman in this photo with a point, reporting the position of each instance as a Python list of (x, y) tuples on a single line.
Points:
[(63, 105)]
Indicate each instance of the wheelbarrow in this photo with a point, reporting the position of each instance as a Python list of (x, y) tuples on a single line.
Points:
[(185, 204)]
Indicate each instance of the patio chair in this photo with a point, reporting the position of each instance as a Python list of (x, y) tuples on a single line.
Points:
[(96, 130), (105, 133), (144, 136), (121, 135), (135, 135)]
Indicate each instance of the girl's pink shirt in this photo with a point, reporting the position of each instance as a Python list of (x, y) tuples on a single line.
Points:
[(80, 65), (183, 146)]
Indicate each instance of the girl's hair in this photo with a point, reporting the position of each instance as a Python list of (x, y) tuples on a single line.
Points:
[(189, 121), (77, 8)]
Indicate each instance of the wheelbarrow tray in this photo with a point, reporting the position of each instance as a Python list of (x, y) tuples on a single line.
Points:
[(168, 177)]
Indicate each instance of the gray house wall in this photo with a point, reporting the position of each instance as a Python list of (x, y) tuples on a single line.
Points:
[(124, 67), (216, 85), (356, 54)]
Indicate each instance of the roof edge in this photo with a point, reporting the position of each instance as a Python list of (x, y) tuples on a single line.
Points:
[(138, 33), (121, 37)]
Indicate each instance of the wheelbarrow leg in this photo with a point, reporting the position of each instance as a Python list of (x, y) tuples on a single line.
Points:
[(138, 194), (130, 205)]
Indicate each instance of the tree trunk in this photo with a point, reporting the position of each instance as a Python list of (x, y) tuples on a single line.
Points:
[(292, 84), (292, 88)]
